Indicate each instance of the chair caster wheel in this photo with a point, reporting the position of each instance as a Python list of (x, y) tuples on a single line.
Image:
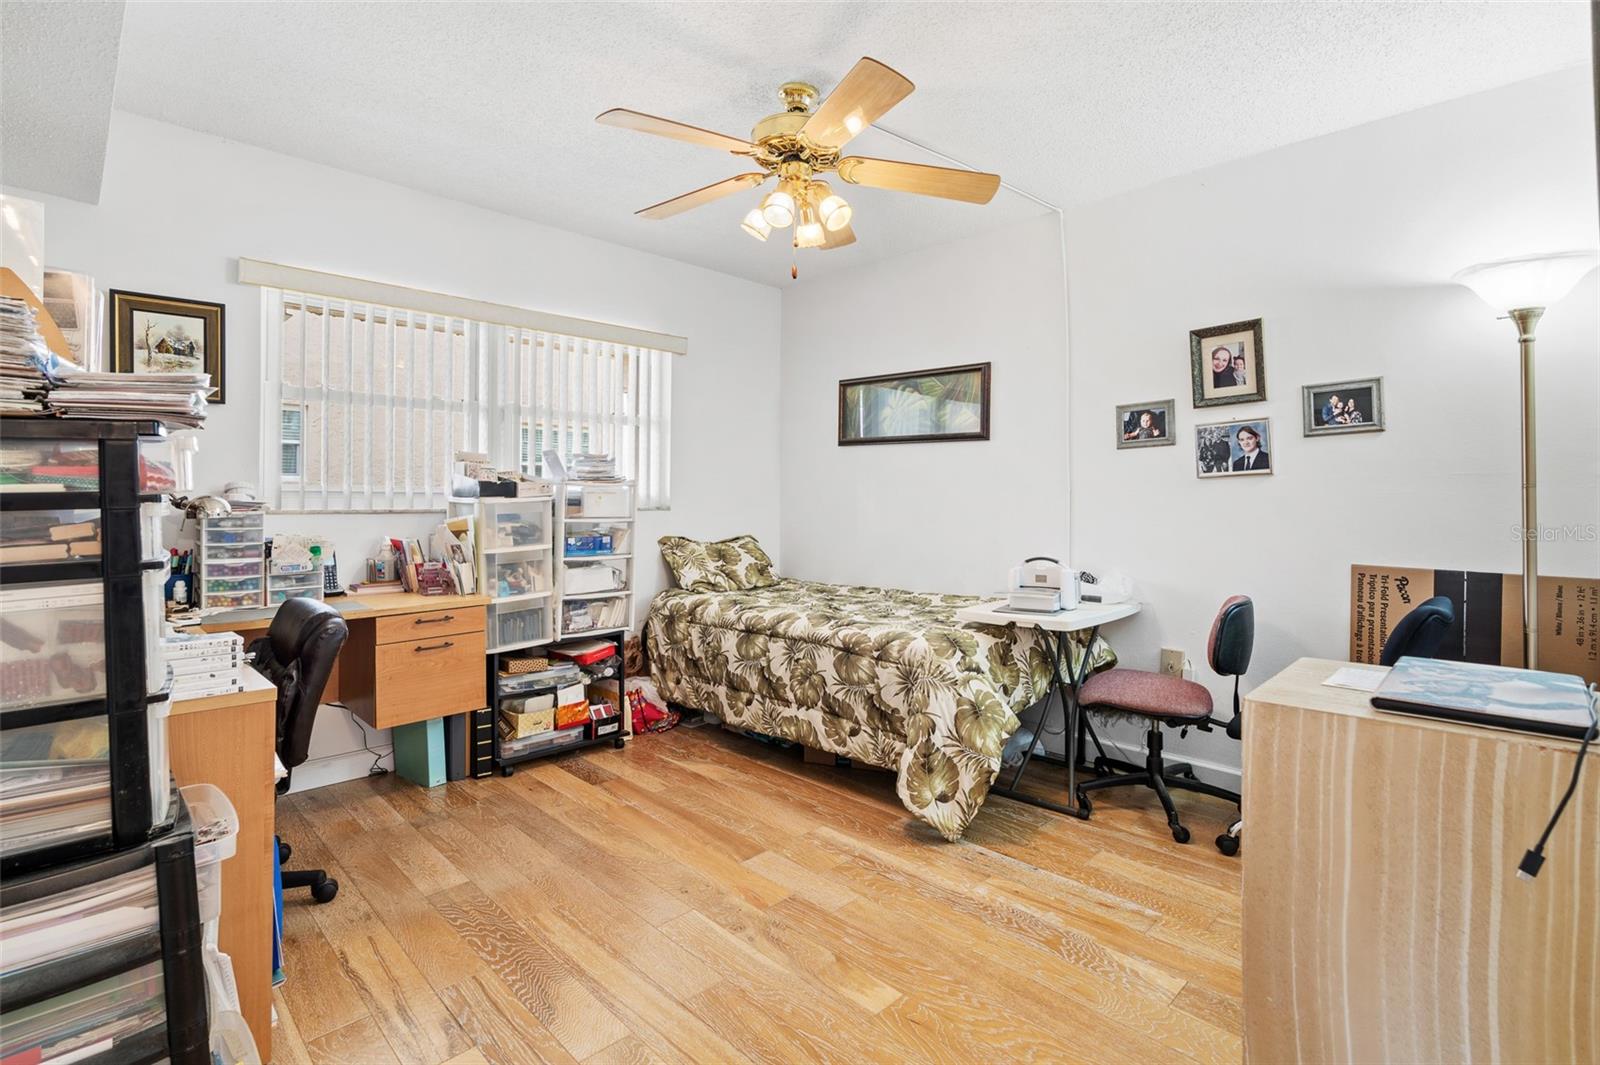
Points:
[(1180, 833), (1101, 768), (617, 743), (323, 891), (507, 770), (1228, 845), (284, 850), (1188, 774), (1085, 807)]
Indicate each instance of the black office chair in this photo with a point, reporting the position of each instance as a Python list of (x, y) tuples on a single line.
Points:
[(1177, 703), (297, 655), (1420, 632)]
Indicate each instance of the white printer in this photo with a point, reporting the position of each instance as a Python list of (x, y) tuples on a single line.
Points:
[(1042, 585)]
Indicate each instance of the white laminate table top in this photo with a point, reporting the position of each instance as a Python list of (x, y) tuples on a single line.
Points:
[(1087, 616)]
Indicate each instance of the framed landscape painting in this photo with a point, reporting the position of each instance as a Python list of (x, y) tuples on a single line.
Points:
[(951, 403), (160, 334)]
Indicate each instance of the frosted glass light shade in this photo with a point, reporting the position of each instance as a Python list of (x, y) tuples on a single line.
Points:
[(1528, 281), (778, 208), (809, 235), (755, 224), (835, 213)]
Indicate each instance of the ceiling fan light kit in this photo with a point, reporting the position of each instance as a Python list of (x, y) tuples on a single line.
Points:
[(799, 143)]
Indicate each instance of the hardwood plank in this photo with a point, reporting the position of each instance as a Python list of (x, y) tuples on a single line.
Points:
[(629, 1050), (538, 978), (288, 1048), (500, 1026), (359, 1043)]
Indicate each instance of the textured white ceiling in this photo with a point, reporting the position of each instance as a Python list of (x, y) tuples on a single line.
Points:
[(58, 67), (493, 103)]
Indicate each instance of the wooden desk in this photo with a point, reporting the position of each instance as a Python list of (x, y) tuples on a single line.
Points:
[(228, 740), (409, 657), (392, 671), (1383, 920)]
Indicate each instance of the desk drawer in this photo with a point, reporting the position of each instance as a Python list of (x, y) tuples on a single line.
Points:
[(421, 627), (429, 676)]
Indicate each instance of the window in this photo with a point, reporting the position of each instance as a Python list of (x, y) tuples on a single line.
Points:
[(374, 401), (289, 465)]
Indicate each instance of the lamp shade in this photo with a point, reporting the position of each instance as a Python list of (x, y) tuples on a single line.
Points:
[(1529, 281)]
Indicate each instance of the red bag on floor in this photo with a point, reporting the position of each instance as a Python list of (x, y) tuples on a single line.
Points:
[(644, 703)]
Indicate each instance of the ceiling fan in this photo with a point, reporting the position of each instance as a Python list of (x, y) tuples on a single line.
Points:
[(800, 143)]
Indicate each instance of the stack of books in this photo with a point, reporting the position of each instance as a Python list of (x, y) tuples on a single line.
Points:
[(26, 364), (601, 468), (171, 398), (204, 664)]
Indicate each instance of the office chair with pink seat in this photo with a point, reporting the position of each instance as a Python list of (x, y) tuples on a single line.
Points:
[(1173, 702)]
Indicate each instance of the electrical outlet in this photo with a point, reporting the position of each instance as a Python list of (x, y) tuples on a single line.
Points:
[(1172, 662)]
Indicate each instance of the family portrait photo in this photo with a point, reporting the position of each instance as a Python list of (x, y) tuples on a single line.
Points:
[(1145, 424), (160, 334), (1227, 365), (1343, 407), (1227, 449)]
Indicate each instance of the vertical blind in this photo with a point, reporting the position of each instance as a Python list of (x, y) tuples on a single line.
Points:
[(373, 402)]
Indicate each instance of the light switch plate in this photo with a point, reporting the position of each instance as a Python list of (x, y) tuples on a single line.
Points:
[(1172, 662)]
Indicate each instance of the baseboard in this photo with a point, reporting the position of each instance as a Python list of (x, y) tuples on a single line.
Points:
[(337, 768), (1218, 773)]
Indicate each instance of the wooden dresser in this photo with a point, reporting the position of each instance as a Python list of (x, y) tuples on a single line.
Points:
[(1383, 918)]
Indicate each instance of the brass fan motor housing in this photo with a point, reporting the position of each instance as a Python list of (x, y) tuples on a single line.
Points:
[(777, 137)]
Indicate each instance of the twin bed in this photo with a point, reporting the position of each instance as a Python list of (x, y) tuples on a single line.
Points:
[(885, 677)]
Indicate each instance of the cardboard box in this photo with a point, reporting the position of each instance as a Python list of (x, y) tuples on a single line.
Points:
[(527, 721), (1488, 626)]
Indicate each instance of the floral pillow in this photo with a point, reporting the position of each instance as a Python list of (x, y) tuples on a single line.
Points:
[(722, 566), (744, 563), (692, 566)]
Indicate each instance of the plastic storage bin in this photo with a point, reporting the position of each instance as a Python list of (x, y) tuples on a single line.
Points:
[(583, 537), (599, 501), (157, 467), (52, 644), (51, 464), (513, 524), (512, 576), (50, 535), (518, 624), (216, 829)]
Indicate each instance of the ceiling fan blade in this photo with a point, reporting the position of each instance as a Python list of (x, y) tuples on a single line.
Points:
[(969, 186), (623, 118), (864, 96), (837, 238), (699, 197)]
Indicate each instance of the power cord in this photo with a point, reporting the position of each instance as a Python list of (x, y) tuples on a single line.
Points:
[(1528, 868), (376, 769)]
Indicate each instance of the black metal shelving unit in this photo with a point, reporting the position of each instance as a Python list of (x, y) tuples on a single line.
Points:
[(176, 941), (133, 839), (594, 733)]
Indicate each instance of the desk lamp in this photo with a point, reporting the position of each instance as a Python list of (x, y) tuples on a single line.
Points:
[(1523, 289)]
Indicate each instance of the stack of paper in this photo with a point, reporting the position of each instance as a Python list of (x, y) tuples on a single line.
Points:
[(204, 664), (172, 398), (26, 364), (46, 801), (593, 468)]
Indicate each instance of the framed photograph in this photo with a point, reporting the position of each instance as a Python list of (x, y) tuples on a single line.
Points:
[(1343, 407), (1145, 424), (1233, 449), (1227, 364), (951, 403), (160, 334)]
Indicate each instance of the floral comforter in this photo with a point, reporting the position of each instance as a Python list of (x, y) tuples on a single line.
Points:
[(883, 676)]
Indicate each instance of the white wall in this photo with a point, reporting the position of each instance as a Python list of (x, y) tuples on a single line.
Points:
[(1343, 245), (948, 516), (178, 209)]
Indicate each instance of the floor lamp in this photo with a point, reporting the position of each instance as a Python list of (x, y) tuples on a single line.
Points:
[(1523, 289)]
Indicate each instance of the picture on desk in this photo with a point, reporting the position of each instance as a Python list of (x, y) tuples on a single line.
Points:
[(1229, 449), (1145, 424)]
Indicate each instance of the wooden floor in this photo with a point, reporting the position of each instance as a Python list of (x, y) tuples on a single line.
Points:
[(700, 896)]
